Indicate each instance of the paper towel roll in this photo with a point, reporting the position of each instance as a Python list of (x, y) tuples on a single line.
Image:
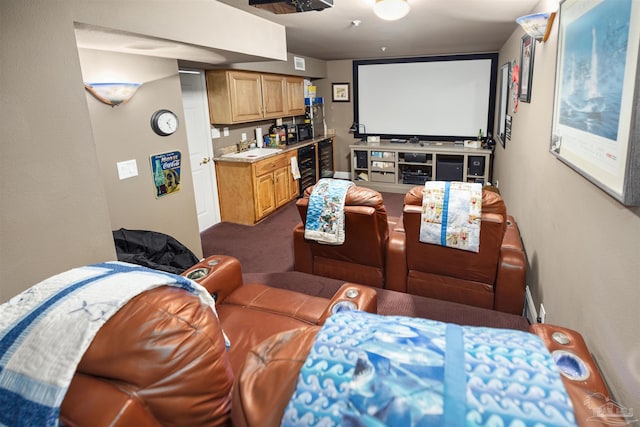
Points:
[(259, 139)]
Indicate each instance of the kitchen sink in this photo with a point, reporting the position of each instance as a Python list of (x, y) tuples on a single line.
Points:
[(254, 153)]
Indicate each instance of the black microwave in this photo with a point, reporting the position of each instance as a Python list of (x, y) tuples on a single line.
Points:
[(304, 132)]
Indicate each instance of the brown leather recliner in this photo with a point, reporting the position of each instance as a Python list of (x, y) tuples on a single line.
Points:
[(161, 359), (278, 360), (362, 257), (493, 278)]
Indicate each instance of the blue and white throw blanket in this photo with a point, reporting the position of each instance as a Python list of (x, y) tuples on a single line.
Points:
[(371, 370), (325, 212), (451, 214), (45, 330)]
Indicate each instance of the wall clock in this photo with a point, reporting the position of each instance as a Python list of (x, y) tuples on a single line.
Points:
[(164, 122)]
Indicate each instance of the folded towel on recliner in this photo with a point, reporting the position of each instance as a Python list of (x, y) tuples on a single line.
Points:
[(451, 214), (325, 212)]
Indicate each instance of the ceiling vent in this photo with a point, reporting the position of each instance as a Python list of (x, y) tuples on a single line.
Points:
[(291, 6)]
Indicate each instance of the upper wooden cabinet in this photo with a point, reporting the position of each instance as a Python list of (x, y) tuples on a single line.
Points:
[(273, 96), (295, 95), (242, 96)]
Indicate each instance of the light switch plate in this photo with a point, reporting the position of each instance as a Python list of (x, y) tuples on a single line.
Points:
[(127, 169)]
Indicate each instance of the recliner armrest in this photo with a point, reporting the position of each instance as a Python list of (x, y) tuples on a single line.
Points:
[(365, 298), (512, 268), (219, 274)]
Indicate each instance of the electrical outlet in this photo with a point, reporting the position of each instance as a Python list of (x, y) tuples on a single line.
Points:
[(542, 314)]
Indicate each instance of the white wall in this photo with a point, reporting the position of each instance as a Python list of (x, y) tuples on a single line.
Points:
[(581, 244), (55, 212)]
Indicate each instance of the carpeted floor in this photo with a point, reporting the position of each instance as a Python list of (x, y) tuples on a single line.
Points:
[(268, 245), (265, 252)]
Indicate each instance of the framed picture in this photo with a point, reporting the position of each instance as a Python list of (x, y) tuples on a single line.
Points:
[(503, 102), (596, 124), (340, 92), (527, 47)]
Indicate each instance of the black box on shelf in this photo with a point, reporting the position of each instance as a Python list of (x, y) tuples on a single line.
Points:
[(416, 178), (449, 168), (415, 157), (361, 159), (476, 165)]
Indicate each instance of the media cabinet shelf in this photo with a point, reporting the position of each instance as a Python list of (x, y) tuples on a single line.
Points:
[(396, 168)]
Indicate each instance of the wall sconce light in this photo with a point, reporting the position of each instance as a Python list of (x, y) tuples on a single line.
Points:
[(391, 10), (537, 25), (112, 93)]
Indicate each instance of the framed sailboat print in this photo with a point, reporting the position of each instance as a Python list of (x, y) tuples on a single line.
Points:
[(596, 123)]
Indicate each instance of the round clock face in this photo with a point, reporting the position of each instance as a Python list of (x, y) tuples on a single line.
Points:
[(164, 122)]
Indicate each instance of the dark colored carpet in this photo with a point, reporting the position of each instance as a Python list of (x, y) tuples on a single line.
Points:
[(268, 245), (265, 252)]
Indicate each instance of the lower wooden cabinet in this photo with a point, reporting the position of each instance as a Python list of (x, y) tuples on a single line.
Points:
[(248, 192)]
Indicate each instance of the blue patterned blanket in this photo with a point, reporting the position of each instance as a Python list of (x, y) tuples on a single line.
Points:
[(325, 212), (370, 370), (451, 214), (45, 330)]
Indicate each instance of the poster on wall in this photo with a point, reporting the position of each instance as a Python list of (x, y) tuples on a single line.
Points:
[(165, 168), (595, 121)]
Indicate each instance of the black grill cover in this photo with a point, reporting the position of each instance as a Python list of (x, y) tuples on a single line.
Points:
[(152, 249)]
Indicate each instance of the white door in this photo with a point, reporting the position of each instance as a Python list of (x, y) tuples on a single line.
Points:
[(196, 116)]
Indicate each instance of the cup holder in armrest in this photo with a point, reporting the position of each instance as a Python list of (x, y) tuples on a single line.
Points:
[(198, 273), (570, 365), (340, 306)]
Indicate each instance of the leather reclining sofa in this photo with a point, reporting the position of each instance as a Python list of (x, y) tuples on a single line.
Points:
[(385, 252), (161, 359)]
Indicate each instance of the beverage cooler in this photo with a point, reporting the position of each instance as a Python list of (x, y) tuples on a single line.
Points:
[(307, 166), (325, 157)]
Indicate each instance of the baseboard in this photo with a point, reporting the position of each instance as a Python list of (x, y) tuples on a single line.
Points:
[(530, 311)]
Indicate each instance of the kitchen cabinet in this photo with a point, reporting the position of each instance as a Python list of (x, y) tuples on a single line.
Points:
[(249, 192), (273, 96), (295, 96), (244, 96)]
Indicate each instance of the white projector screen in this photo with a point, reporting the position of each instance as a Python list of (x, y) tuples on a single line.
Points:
[(434, 98)]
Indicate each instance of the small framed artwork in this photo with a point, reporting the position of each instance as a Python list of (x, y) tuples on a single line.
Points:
[(526, 67), (340, 92)]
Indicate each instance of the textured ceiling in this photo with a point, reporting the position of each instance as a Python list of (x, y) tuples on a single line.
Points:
[(432, 27)]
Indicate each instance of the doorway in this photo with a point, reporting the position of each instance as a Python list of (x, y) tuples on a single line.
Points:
[(196, 116)]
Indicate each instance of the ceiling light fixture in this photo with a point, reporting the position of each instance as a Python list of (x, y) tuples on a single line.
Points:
[(391, 10)]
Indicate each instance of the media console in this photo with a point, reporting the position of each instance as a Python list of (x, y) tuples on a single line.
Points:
[(392, 167)]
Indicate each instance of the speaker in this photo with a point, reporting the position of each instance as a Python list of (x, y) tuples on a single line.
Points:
[(449, 169), (476, 165), (361, 159)]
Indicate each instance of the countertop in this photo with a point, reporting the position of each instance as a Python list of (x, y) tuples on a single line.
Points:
[(288, 148)]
